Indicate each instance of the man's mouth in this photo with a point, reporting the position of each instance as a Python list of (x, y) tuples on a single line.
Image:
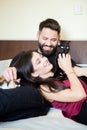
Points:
[(47, 48)]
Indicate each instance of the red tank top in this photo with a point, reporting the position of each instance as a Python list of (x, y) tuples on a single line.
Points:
[(70, 109)]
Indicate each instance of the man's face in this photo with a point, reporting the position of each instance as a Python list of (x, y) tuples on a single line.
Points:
[(48, 40)]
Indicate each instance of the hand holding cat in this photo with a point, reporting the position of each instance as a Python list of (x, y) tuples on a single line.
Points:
[(64, 62)]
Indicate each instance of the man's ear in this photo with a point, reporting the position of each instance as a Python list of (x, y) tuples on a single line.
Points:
[(38, 33), (35, 74)]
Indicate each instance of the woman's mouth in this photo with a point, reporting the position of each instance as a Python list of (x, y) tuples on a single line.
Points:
[(47, 63)]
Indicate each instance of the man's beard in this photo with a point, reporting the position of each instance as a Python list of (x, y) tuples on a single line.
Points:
[(47, 53)]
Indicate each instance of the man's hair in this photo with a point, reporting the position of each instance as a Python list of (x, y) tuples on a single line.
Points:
[(50, 23)]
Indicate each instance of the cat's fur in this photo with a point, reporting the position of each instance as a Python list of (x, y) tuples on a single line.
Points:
[(63, 47), (9, 85)]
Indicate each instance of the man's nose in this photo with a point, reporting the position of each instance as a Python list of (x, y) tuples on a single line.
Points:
[(48, 42)]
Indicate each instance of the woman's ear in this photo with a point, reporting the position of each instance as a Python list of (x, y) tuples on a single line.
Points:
[(35, 74)]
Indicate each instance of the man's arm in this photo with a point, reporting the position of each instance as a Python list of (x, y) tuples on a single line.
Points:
[(80, 71)]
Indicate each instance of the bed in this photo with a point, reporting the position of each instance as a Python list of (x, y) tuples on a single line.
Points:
[(54, 120)]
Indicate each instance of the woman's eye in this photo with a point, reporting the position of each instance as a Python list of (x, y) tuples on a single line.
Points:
[(38, 62), (41, 56)]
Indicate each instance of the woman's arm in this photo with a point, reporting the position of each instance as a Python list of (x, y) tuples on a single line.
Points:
[(76, 91)]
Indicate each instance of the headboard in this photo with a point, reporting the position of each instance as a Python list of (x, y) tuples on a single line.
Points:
[(8, 49)]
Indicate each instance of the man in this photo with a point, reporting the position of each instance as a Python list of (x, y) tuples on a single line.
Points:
[(48, 38)]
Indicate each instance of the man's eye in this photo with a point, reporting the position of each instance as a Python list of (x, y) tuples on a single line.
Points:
[(44, 38)]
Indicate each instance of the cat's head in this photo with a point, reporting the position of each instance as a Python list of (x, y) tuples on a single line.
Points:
[(63, 47)]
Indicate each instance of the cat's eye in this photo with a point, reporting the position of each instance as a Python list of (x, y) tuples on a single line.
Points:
[(62, 47)]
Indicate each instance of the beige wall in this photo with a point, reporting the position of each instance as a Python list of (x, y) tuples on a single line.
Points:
[(19, 19)]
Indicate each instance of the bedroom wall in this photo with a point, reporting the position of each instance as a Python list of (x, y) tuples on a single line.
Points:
[(19, 19)]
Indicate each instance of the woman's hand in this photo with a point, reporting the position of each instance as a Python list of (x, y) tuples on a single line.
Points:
[(64, 62), (10, 74)]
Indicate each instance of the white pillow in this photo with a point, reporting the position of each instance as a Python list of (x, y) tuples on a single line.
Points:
[(4, 64)]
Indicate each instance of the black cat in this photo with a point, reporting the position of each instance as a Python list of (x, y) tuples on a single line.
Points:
[(63, 47)]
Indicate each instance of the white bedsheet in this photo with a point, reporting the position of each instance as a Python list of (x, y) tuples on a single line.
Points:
[(4, 64), (54, 120)]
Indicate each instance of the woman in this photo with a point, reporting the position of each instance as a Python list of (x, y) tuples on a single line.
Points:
[(18, 103), (70, 95)]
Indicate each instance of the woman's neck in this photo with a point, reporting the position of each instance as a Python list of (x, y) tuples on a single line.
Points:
[(47, 75)]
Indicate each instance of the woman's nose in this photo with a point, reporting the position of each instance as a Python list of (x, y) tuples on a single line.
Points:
[(44, 59)]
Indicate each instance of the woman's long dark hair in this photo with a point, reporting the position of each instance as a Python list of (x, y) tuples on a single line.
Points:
[(25, 68)]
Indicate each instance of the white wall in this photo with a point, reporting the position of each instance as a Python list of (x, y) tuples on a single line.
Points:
[(19, 19)]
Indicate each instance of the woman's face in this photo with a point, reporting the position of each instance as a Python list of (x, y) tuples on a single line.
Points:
[(41, 65)]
